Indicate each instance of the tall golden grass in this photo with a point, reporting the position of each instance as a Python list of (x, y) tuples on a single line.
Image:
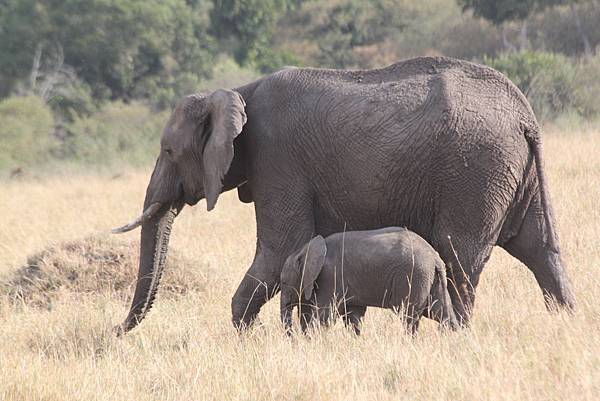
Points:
[(187, 349)]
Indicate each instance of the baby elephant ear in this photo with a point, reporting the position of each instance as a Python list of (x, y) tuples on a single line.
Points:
[(227, 118), (314, 257)]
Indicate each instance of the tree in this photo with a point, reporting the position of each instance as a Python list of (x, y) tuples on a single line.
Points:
[(340, 29), (587, 48), (501, 11), (251, 25), (121, 49)]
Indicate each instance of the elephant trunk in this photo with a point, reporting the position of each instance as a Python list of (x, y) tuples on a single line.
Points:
[(153, 252)]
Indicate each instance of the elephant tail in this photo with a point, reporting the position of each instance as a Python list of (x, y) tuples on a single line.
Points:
[(535, 143)]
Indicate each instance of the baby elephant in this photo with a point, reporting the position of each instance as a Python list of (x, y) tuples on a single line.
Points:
[(390, 268)]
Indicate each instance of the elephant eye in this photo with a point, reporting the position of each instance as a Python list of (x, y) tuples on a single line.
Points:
[(169, 152)]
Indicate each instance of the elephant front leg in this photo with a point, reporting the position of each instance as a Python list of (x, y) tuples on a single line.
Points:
[(281, 231), (309, 315), (260, 283)]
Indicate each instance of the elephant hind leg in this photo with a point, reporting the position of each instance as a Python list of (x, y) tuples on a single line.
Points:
[(530, 247), (465, 252), (413, 318), (465, 264)]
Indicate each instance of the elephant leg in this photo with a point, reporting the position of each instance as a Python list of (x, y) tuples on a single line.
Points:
[(307, 315), (467, 228), (258, 286), (281, 231), (465, 259), (353, 317), (529, 246), (413, 317), (324, 315)]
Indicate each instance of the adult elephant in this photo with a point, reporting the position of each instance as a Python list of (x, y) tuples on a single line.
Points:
[(447, 148)]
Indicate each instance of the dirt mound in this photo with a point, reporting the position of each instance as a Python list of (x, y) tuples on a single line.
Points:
[(95, 265)]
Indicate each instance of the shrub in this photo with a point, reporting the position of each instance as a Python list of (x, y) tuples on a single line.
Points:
[(452, 38), (267, 60), (547, 79), (587, 87), (228, 74), (26, 132), (122, 133)]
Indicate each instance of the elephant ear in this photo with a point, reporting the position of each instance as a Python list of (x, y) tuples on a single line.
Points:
[(313, 256), (227, 118)]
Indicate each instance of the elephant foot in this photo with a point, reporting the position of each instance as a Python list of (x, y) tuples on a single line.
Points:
[(245, 312), (242, 322), (256, 288)]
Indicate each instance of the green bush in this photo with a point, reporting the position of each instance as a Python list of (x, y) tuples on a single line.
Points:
[(267, 61), (26, 132), (547, 79), (118, 133), (228, 74)]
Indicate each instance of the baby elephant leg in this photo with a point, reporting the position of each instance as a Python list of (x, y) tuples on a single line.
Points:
[(440, 305), (353, 317), (325, 317), (314, 315), (410, 314), (307, 316)]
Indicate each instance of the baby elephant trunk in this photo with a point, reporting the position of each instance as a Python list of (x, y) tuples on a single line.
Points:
[(441, 308)]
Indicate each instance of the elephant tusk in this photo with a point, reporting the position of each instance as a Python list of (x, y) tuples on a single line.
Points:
[(148, 213)]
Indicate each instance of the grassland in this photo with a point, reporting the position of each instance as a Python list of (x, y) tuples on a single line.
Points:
[(186, 349)]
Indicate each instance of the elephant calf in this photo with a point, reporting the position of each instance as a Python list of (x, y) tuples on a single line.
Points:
[(390, 268)]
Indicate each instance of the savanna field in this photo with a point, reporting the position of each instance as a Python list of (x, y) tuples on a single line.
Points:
[(56, 316)]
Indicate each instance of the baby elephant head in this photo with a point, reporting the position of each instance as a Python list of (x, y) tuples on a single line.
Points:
[(298, 276)]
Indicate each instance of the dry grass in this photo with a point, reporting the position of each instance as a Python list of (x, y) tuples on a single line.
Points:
[(187, 348), (99, 265)]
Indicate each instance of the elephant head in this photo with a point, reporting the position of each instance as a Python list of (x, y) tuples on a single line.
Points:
[(298, 276), (196, 153)]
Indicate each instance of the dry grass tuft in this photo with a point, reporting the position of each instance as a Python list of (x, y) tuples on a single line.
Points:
[(96, 265)]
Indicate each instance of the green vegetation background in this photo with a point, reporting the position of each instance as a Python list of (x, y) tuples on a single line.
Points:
[(89, 83)]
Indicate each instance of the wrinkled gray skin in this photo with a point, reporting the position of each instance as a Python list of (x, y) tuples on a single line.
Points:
[(390, 268), (449, 149)]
